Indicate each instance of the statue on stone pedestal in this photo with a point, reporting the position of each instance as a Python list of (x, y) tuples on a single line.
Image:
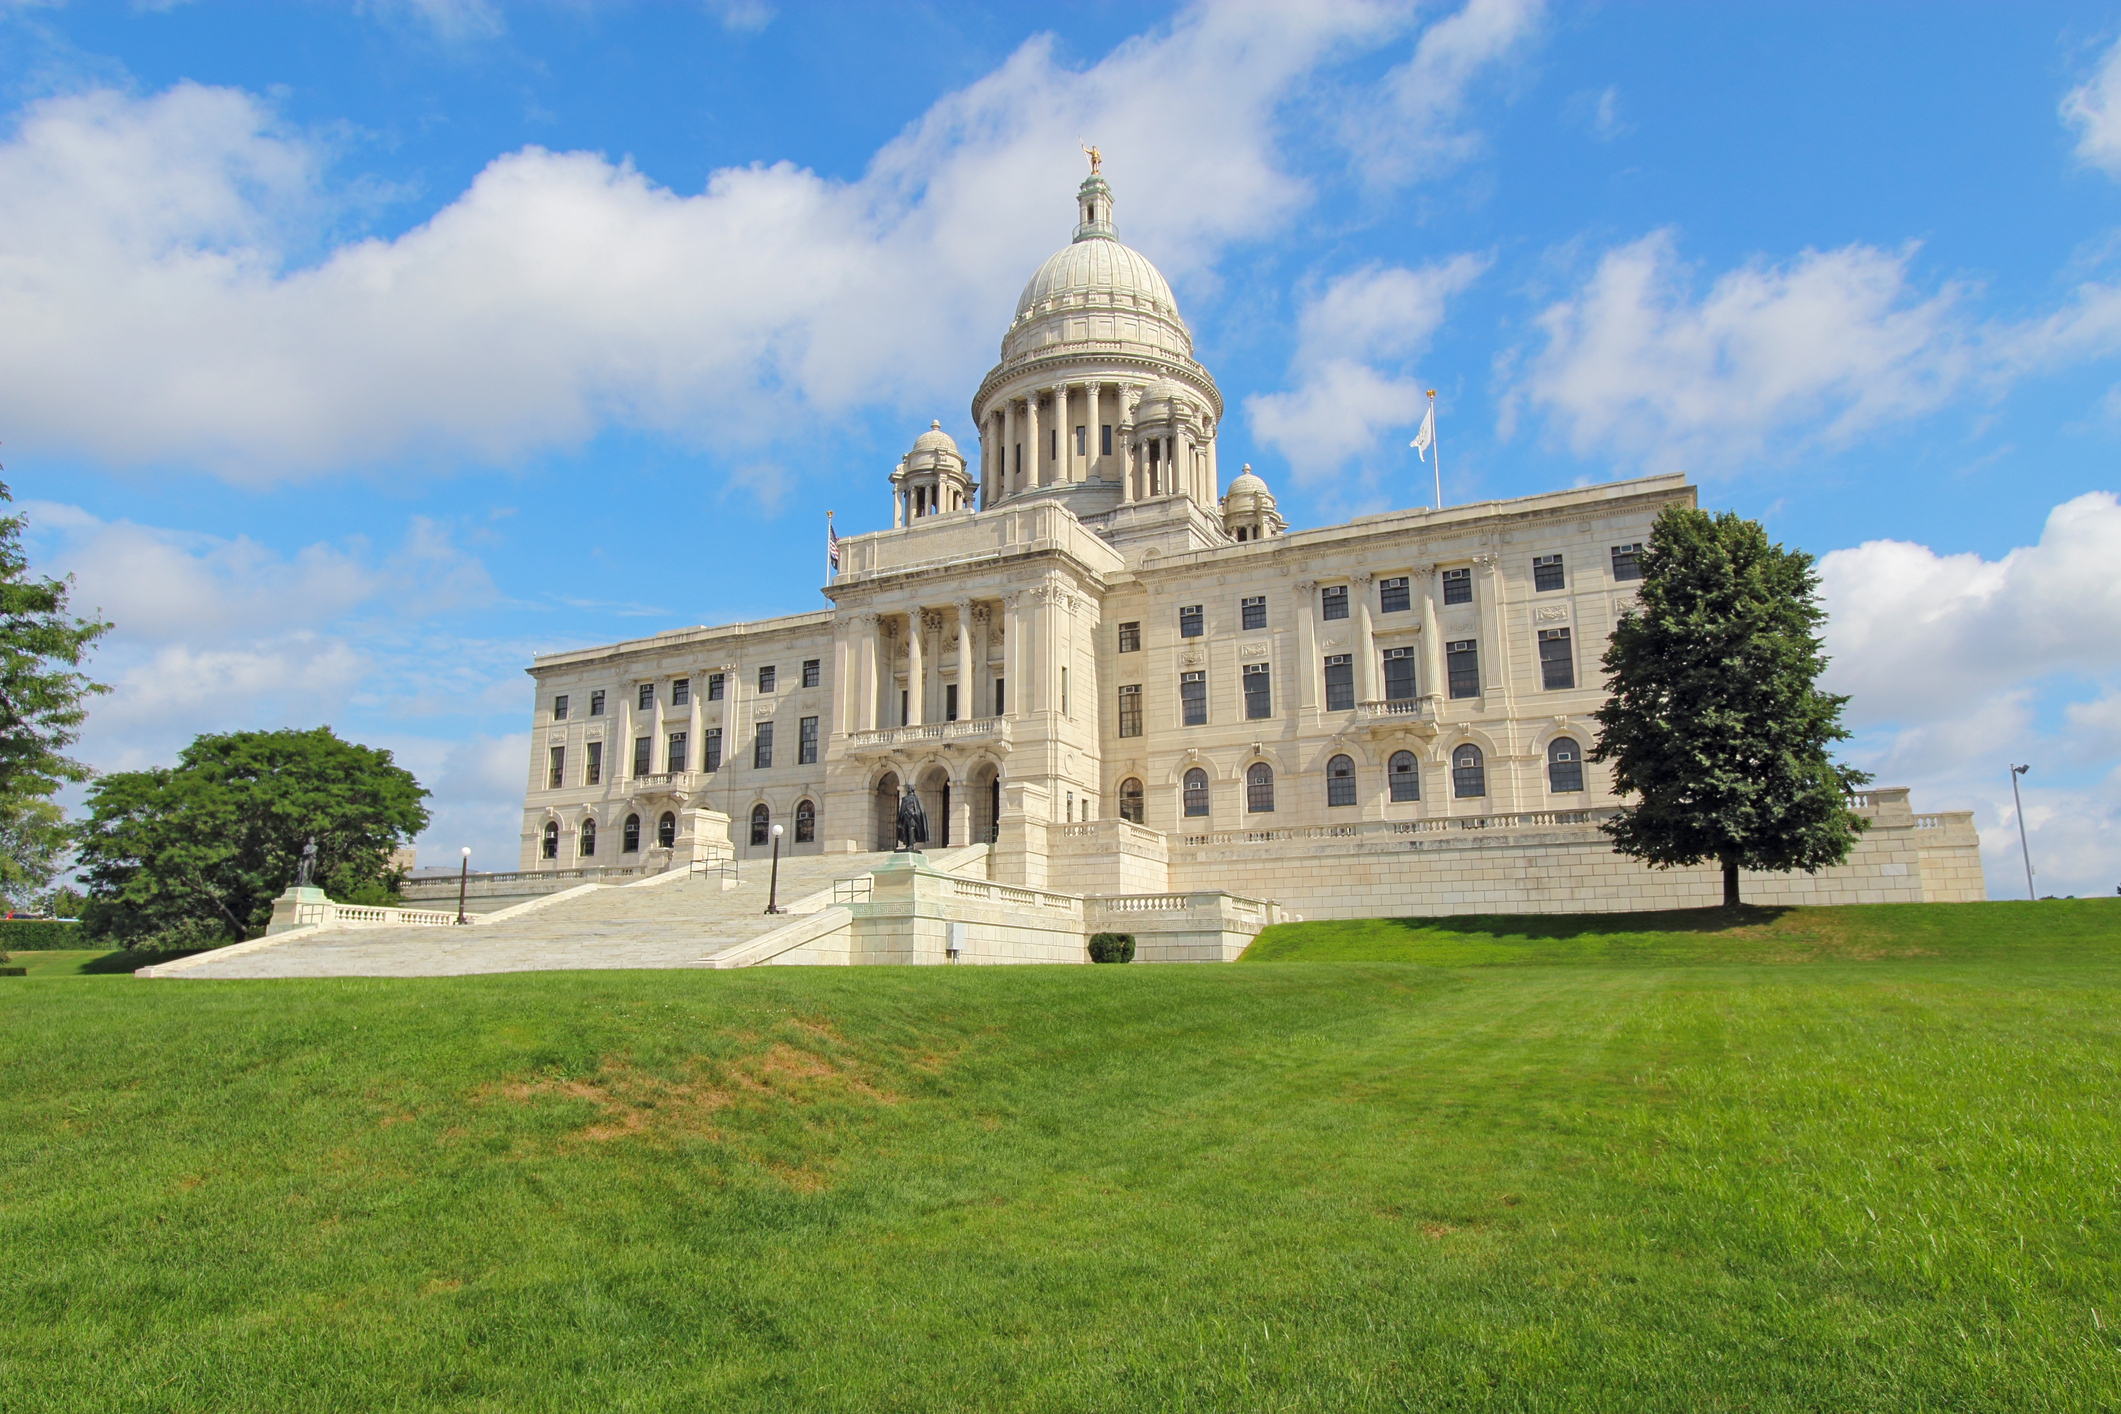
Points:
[(306, 868), (912, 820)]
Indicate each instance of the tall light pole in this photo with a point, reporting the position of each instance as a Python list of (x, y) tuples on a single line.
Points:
[(463, 882), (773, 890), (2023, 847)]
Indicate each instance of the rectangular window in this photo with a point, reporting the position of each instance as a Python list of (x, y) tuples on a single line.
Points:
[(1253, 611), (714, 687), (1557, 666), (806, 742), (812, 672), (1340, 682), (1399, 674), (644, 699), (1082, 440), (1130, 710), (1130, 637), (1627, 561), (1458, 586), (1333, 601), (1189, 621), (762, 747), (678, 754), (593, 767), (1193, 699), (596, 703), (765, 680), (905, 706), (559, 708), (949, 701), (557, 776), (1462, 663), (1392, 596), (711, 750), (681, 692), (1000, 698), (642, 746), (1259, 692), (1546, 573), (1104, 440)]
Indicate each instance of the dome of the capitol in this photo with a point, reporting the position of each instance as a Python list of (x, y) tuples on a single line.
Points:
[(1096, 292)]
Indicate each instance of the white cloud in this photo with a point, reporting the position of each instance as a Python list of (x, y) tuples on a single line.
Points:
[(1415, 131), (1342, 403), (160, 310), (1958, 666), (2093, 108), (741, 16), (1597, 111)]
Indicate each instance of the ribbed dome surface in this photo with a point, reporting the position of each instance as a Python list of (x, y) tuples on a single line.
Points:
[(1096, 273), (935, 440)]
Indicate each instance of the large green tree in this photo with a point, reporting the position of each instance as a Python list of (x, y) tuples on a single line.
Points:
[(1716, 727), (43, 699), (195, 854)]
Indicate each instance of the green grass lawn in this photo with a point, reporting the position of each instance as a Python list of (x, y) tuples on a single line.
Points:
[(1866, 1162)]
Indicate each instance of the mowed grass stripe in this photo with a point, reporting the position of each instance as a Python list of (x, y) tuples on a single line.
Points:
[(1821, 1184)]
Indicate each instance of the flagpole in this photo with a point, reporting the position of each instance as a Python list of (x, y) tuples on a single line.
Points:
[(1436, 446), (829, 567)]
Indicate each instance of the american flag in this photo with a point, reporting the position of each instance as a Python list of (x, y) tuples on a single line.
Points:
[(832, 545)]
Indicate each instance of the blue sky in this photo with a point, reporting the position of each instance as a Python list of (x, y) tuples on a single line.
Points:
[(354, 353)]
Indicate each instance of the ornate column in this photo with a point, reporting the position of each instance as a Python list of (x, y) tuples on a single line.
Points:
[(983, 696), (1092, 398), (695, 737), (916, 669), (1031, 446), (1129, 492), (1432, 683), (656, 738), (1215, 485), (1494, 651), (1012, 653), (1064, 436), (1365, 647), (1009, 445), (965, 675), (1307, 645)]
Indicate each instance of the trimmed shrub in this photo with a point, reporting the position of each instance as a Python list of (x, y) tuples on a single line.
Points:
[(1112, 947), (41, 935)]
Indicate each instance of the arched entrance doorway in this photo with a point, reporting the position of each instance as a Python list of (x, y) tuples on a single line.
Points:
[(986, 788), (887, 811), (934, 790)]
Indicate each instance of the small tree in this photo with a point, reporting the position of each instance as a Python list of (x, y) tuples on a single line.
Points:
[(1715, 725), (196, 853)]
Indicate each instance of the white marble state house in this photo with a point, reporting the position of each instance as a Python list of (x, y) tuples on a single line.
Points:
[(1083, 647)]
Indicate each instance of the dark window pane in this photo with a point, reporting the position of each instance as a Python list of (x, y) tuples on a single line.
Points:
[(1340, 781), (558, 773), (679, 752), (644, 699), (593, 768), (1196, 792), (1333, 601), (1259, 788), (559, 708), (1193, 698), (586, 841), (949, 701), (1130, 710), (765, 680), (1557, 666), (1130, 637), (551, 849), (1546, 573), (641, 749), (762, 747), (681, 692), (812, 672), (1564, 765), (1259, 692), (1627, 561), (1458, 586), (1462, 661), (805, 822), (1189, 621), (806, 742), (1340, 683), (630, 839), (1255, 611), (666, 830), (711, 760), (761, 824), (1405, 775), (714, 687), (1392, 596), (1104, 440), (1399, 674), (1130, 800), (1469, 775)]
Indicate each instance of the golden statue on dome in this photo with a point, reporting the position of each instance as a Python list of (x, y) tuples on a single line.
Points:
[(1094, 155)]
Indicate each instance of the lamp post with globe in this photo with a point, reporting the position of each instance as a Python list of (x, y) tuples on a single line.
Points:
[(773, 890), (463, 882)]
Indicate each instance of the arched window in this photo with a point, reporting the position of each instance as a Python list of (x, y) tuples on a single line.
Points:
[(552, 839), (1340, 781), (805, 822), (1196, 791), (1469, 776), (666, 830), (1259, 788), (1405, 775), (586, 842), (1130, 800), (1564, 764), (630, 842), (761, 823)]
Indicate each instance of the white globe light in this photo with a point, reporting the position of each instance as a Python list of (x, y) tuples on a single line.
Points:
[(776, 831)]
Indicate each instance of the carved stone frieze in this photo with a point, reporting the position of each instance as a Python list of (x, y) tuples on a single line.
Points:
[(1255, 650), (1551, 613)]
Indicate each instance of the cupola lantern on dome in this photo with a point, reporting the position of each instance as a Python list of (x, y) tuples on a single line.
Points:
[(930, 479), (1248, 509)]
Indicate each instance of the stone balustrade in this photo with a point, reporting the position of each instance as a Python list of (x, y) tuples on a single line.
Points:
[(990, 730)]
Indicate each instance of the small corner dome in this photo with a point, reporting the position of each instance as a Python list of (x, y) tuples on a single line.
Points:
[(934, 440), (1248, 484)]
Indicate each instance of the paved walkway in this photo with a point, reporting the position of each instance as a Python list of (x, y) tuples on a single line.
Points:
[(656, 925)]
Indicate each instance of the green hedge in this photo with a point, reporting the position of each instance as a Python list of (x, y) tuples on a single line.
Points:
[(1112, 947), (40, 935)]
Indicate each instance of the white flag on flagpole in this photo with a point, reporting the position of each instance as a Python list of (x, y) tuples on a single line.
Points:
[(1426, 437)]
